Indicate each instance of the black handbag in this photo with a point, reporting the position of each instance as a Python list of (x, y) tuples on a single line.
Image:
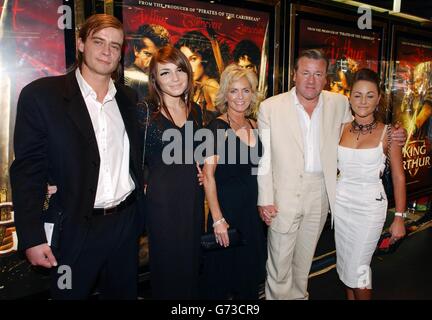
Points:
[(208, 240), (386, 177)]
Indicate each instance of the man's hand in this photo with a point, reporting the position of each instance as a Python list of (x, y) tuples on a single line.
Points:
[(399, 134), (267, 213), (41, 255)]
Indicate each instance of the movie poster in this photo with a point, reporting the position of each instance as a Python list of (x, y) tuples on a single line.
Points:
[(412, 106), (31, 47), (210, 35), (348, 49)]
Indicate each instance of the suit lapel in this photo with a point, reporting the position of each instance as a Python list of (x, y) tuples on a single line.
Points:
[(294, 125), (77, 110), (325, 121)]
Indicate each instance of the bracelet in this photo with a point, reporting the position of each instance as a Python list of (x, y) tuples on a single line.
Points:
[(218, 222), (401, 214)]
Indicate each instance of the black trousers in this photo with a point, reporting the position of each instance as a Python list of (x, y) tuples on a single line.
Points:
[(107, 263)]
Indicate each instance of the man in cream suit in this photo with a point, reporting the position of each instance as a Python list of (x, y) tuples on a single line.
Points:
[(297, 178)]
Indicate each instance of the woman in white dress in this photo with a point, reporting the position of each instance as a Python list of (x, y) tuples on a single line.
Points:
[(361, 203)]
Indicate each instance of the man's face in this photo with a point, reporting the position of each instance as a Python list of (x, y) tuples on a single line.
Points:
[(196, 62), (144, 56), (245, 63), (101, 51), (310, 78)]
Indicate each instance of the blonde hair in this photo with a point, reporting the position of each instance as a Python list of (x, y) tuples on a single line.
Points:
[(234, 73)]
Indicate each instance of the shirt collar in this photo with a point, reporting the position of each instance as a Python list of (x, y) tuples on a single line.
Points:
[(298, 104), (87, 90)]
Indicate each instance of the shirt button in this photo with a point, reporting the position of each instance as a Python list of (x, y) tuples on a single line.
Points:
[(301, 176), (298, 195)]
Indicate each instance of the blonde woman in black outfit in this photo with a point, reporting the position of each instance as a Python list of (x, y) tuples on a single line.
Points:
[(231, 190)]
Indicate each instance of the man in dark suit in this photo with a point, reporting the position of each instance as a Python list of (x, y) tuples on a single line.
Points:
[(79, 132)]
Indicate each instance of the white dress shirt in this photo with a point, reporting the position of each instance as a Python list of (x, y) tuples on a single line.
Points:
[(115, 182), (310, 127)]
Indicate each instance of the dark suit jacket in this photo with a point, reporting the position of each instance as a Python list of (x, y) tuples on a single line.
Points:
[(55, 142)]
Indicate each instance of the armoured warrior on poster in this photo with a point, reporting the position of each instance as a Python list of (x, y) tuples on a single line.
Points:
[(415, 114), (412, 106)]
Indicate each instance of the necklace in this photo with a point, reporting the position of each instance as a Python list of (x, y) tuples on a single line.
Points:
[(240, 126), (363, 128)]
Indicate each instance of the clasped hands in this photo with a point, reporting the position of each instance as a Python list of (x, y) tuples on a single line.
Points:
[(267, 213)]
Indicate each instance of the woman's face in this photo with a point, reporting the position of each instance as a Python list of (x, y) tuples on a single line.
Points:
[(195, 60), (239, 95), (364, 98), (171, 79)]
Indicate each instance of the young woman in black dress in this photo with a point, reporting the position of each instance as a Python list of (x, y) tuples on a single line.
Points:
[(174, 199)]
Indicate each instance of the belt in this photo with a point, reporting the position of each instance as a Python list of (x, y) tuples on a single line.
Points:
[(121, 206)]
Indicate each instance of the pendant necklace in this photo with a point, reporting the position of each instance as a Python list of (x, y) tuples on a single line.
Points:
[(363, 128), (229, 123)]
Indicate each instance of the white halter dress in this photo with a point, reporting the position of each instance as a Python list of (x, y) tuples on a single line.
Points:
[(360, 212)]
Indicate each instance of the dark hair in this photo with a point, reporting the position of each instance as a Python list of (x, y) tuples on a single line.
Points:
[(158, 34), (94, 24), (316, 54), (169, 54), (369, 75), (199, 43), (247, 48)]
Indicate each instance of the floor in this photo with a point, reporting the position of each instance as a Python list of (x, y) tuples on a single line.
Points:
[(404, 274)]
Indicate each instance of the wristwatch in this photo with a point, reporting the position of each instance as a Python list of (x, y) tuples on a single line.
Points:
[(400, 214)]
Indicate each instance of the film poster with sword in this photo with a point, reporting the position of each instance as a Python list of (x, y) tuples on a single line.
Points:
[(211, 32), (348, 49), (412, 105), (31, 46)]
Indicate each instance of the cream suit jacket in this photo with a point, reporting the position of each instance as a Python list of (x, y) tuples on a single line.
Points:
[(282, 166)]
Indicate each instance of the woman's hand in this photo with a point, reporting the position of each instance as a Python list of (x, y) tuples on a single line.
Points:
[(200, 175), (221, 232), (267, 213), (397, 229)]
